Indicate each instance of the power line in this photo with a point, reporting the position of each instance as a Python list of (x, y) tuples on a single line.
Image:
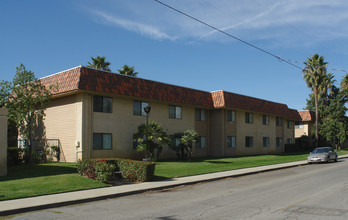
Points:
[(230, 35)]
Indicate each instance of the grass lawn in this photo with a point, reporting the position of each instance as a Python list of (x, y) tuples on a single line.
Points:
[(172, 169), (50, 178), (43, 179)]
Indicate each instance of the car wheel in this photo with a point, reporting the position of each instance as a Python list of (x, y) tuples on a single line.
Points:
[(336, 159), (328, 159)]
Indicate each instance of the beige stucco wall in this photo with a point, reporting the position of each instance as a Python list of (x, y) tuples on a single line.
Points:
[(122, 124), (60, 123), (3, 141)]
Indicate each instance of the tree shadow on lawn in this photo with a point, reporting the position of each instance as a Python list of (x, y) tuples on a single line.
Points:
[(24, 171)]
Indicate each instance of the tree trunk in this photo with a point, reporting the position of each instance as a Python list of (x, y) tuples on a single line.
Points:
[(316, 116)]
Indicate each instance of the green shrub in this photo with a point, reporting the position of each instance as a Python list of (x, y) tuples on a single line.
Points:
[(104, 171), (136, 171), (86, 168), (14, 156)]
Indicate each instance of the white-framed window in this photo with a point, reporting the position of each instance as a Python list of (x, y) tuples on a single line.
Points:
[(265, 142), (231, 141), (279, 142), (138, 107), (102, 104), (201, 142), (231, 116), (265, 120), (102, 141), (248, 117), (201, 114), (279, 121), (175, 112), (249, 141)]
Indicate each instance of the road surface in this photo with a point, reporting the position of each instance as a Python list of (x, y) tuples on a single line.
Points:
[(318, 191)]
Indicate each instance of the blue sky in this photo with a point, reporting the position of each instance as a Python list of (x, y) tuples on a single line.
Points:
[(163, 45)]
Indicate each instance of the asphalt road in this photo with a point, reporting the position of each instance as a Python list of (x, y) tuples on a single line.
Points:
[(318, 191)]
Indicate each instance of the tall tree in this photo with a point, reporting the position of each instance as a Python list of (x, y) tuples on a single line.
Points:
[(26, 103), (99, 63), (315, 69), (127, 70)]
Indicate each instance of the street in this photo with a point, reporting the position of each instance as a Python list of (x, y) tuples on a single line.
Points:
[(317, 191)]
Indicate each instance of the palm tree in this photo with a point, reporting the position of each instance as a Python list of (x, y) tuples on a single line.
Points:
[(326, 86), (313, 73), (99, 63), (127, 70)]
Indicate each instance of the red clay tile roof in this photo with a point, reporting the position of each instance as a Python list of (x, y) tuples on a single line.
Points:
[(87, 79), (307, 115), (231, 100)]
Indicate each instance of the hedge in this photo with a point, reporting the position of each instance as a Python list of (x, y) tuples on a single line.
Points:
[(105, 169)]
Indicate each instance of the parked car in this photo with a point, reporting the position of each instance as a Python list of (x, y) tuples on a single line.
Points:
[(322, 154)]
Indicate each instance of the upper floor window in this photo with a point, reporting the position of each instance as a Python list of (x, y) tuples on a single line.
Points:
[(174, 112), (248, 117), (201, 142), (265, 119), (138, 107), (102, 104), (231, 116), (201, 114), (265, 141), (231, 141), (279, 121), (290, 124), (102, 141), (249, 141)]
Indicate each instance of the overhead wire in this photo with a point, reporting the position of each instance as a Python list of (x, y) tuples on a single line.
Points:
[(288, 61)]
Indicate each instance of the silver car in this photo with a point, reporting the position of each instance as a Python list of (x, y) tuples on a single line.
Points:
[(322, 154)]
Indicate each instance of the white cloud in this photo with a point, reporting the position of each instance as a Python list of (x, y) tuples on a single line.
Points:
[(135, 26), (277, 21)]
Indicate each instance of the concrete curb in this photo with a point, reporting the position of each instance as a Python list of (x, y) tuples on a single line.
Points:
[(16, 206)]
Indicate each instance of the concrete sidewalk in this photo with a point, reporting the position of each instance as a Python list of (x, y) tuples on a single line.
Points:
[(16, 206)]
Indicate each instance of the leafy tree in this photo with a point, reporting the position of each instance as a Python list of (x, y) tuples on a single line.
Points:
[(315, 69), (157, 139), (183, 149), (127, 70), (26, 102), (99, 63)]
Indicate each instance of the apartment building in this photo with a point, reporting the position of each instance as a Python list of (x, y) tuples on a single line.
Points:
[(94, 114)]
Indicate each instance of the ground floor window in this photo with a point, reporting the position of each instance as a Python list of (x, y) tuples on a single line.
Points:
[(102, 141), (265, 141), (279, 142), (289, 141), (249, 142), (201, 142), (231, 141)]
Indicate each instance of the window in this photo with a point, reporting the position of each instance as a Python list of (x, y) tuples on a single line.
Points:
[(249, 141), (102, 141), (265, 119), (174, 112), (299, 124), (200, 114), (231, 116), (279, 121), (201, 142), (265, 141), (248, 117), (289, 141), (279, 142), (289, 124), (231, 141), (102, 104), (138, 108)]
